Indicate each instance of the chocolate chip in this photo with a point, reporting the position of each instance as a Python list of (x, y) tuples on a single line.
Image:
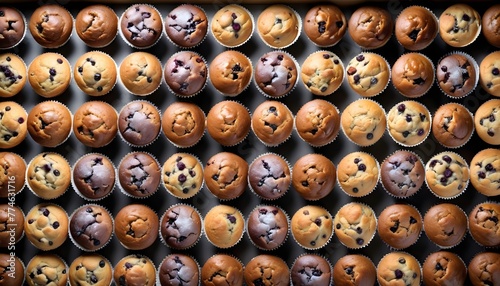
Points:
[(185, 190), (360, 58), (495, 71), (30, 221), (326, 56), (231, 218), (335, 61), (97, 77), (413, 34), (356, 78), (444, 68), (374, 80), (490, 133), (360, 241), (89, 210), (492, 118), (46, 212), (52, 72), (359, 230), (55, 225), (362, 167), (80, 69), (233, 15), (181, 178), (97, 242), (2, 13), (447, 159), (99, 88), (102, 263), (93, 278), (59, 61), (398, 273)]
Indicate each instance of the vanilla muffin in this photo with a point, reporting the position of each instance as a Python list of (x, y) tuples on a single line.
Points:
[(457, 74), (183, 123), (452, 125), (47, 269), (272, 122), (95, 73), (416, 28), (279, 26), (363, 122), (46, 226), (230, 72), (409, 123), (313, 176), (413, 74), (489, 73), (51, 25), (370, 27), (95, 123), (484, 269), (13, 74), (447, 175), (48, 175), (224, 226), (232, 25), (276, 74), (96, 25), (135, 270), (355, 225), (368, 74), (353, 270), (486, 121), (444, 268), (49, 123), (90, 269), (399, 267), (141, 73), (483, 226), (312, 227), (13, 124), (325, 25), (399, 225), (459, 25), (358, 174), (485, 172), (445, 225), (322, 73), (182, 175), (49, 74), (318, 122), (226, 175)]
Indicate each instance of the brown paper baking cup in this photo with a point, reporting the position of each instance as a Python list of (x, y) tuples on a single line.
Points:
[(432, 80), (77, 191), (163, 173), (435, 158), (424, 135), (75, 72), (289, 170), (384, 187), (365, 244), (28, 176), (471, 134), (377, 180), (383, 125), (242, 43), (403, 252), (330, 265), (147, 92), (330, 217), (431, 13), (476, 68), (336, 57), (119, 184), (215, 243), (123, 36), (392, 248), (171, 41), (174, 254), (45, 204), (162, 239), (377, 92), (266, 222), (299, 27), (319, 145), (65, 60), (207, 74), (76, 243), (453, 245), (297, 68), (25, 29), (159, 118), (279, 143)]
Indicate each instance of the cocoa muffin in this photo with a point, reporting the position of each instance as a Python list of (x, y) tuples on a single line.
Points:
[(183, 123), (444, 268), (47, 269), (139, 123), (13, 124), (90, 227), (136, 227), (445, 225), (272, 123), (224, 226), (13, 74), (399, 225), (11, 165), (311, 269), (230, 72), (11, 224), (318, 122), (370, 27), (139, 174), (457, 74), (222, 269), (228, 122), (489, 73), (322, 73), (279, 26), (325, 25), (135, 270), (180, 226), (368, 74), (416, 27), (226, 175), (399, 266), (363, 122), (459, 25), (12, 270), (452, 125), (355, 225), (312, 227), (409, 123), (141, 73), (95, 123), (269, 176), (266, 269), (485, 172), (90, 269), (232, 25), (96, 25), (267, 227), (354, 269), (483, 224), (49, 74), (95, 73), (46, 226), (276, 74), (485, 121), (182, 175), (313, 176), (484, 269), (358, 174), (12, 27), (93, 176), (141, 26), (413, 74), (402, 174), (179, 269), (186, 25), (48, 175), (447, 175), (491, 25), (49, 123), (186, 73), (51, 25)]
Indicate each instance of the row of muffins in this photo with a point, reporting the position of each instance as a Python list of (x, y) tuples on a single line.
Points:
[(141, 26)]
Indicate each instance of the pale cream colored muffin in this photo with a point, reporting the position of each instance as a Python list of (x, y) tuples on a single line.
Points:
[(224, 226), (358, 174), (95, 73), (141, 73), (13, 74), (312, 227), (46, 226), (399, 268), (447, 175), (182, 175), (368, 74), (279, 26), (322, 73), (363, 122), (49, 74), (459, 25), (485, 172), (232, 25), (409, 123), (355, 225)]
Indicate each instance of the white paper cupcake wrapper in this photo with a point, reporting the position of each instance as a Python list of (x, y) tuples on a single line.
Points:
[(297, 68), (162, 173), (433, 80), (384, 187), (28, 175), (191, 47), (77, 191), (162, 239), (207, 79), (25, 74), (384, 125), (476, 68), (424, 137), (27, 278), (73, 239)]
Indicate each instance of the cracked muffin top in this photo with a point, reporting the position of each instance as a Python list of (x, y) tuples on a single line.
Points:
[(139, 123), (141, 26), (8, 270), (311, 227), (267, 227), (224, 226), (48, 175), (49, 74), (12, 27), (186, 25), (398, 268), (95, 123), (444, 268), (358, 174), (325, 25), (96, 25), (179, 269), (180, 226), (136, 227), (457, 74), (46, 226), (13, 74), (46, 269), (399, 225), (322, 73), (51, 25), (93, 176), (485, 172), (182, 175), (49, 123), (135, 270), (279, 26), (230, 72), (311, 269), (402, 174), (484, 224), (91, 227), (13, 124), (272, 123), (318, 122), (413, 74), (483, 269), (313, 176), (445, 225), (355, 225), (232, 25), (452, 125), (226, 175), (368, 74), (370, 27), (139, 174), (11, 164), (276, 74), (459, 25), (409, 123), (186, 73), (447, 175), (491, 25), (183, 123), (222, 269), (228, 122), (363, 122), (269, 176), (95, 73), (141, 73), (487, 123), (90, 269), (354, 269), (416, 27), (266, 269)]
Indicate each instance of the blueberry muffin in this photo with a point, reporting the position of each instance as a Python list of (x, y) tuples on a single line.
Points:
[(136, 227), (95, 73), (13, 74), (230, 72), (182, 175), (11, 165), (48, 175), (358, 174), (90, 227), (313, 176), (186, 73), (325, 25), (96, 25), (312, 227), (447, 175), (416, 27), (93, 176), (354, 269), (46, 226), (139, 174), (222, 269), (402, 174), (399, 225), (486, 121), (363, 122), (272, 123), (266, 269), (179, 269), (49, 74), (397, 268), (11, 224), (135, 270), (224, 226), (279, 26), (370, 27), (49, 123), (232, 25), (355, 225), (457, 75), (311, 269), (267, 227), (13, 124), (409, 123), (11, 269), (368, 74), (489, 73), (228, 122), (444, 268), (90, 269), (276, 74), (51, 25), (445, 225), (180, 227), (318, 122), (452, 125), (139, 123), (47, 269), (459, 25), (226, 175), (141, 73), (183, 123), (186, 25), (483, 226), (413, 74), (95, 124), (491, 26), (485, 172), (484, 269), (12, 27), (269, 176), (141, 26), (322, 73)]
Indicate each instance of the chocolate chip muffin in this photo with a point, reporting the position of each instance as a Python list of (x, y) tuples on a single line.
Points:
[(12, 27), (51, 25), (459, 25), (90, 269), (47, 269), (95, 73), (46, 226), (363, 122), (311, 269), (11, 269), (226, 175), (445, 225), (355, 225), (279, 26), (413, 74), (491, 26), (267, 227), (276, 74), (134, 270), (49, 74), (312, 227), (139, 123), (402, 174), (483, 224), (230, 72), (222, 269), (186, 25), (141, 26), (13, 124), (139, 174), (232, 25), (325, 25), (224, 226), (370, 27), (183, 123), (141, 73), (399, 225), (95, 123), (452, 125), (11, 225), (13, 74), (228, 122), (186, 73), (457, 74), (354, 269), (12, 166), (447, 175), (358, 174), (49, 123), (485, 172), (399, 267), (409, 123), (266, 269), (180, 226), (93, 176), (368, 74), (313, 176), (269, 176), (322, 73), (177, 269), (444, 268), (90, 227), (318, 122), (96, 25), (416, 27), (486, 123), (136, 227), (182, 175), (484, 269), (48, 175), (489, 73), (272, 122)]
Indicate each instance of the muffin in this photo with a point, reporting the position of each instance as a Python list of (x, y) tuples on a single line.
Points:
[(279, 26), (318, 122), (232, 25), (141, 73), (93, 176), (139, 123), (313, 176), (355, 225), (95, 73), (444, 268), (230, 72), (49, 74), (483, 269), (402, 174), (135, 270), (491, 26), (276, 74), (46, 226), (452, 125), (222, 269), (269, 176), (409, 123), (11, 225), (457, 75), (51, 25), (397, 266), (368, 74), (13, 74), (266, 269), (485, 123), (179, 269), (228, 122), (136, 227), (311, 269), (485, 172), (49, 123), (141, 26), (13, 124), (47, 269), (459, 25), (180, 226), (12, 27), (183, 124), (267, 227), (139, 175), (325, 25), (226, 175), (224, 226), (90, 227), (11, 166), (358, 174), (11, 269), (354, 269), (445, 225), (182, 175), (90, 269), (399, 225), (413, 74), (95, 124), (186, 73), (312, 227), (322, 73), (96, 25), (416, 27), (447, 175), (483, 224), (48, 175), (363, 122), (370, 27), (489, 73), (272, 123), (186, 25)]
